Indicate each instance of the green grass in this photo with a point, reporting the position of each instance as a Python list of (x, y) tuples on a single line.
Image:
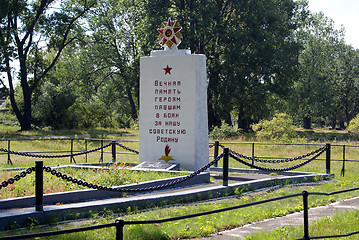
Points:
[(340, 223), (206, 225), (63, 147), (114, 175)]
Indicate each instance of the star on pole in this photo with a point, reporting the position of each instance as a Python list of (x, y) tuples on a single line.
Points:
[(170, 36)]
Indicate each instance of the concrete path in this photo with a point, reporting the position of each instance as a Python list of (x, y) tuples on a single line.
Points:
[(295, 219)]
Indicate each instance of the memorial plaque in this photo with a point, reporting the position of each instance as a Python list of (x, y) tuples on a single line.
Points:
[(173, 107), (157, 166)]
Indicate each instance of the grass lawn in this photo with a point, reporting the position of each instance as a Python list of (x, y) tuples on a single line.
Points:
[(340, 223), (204, 226), (113, 175)]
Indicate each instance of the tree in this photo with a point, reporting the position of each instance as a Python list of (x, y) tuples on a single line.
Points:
[(346, 85), (317, 85), (250, 52), (27, 31)]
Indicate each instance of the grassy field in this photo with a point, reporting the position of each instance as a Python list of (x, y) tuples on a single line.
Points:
[(204, 226), (113, 175), (340, 223)]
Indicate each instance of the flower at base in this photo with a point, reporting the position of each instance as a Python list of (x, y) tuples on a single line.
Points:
[(94, 170)]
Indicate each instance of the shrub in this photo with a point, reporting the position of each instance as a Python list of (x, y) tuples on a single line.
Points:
[(354, 125), (279, 128), (224, 131)]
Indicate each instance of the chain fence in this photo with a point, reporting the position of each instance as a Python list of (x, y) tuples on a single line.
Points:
[(237, 157), (127, 148), (17, 177), (145, 189), (27, 154), (280, 160)]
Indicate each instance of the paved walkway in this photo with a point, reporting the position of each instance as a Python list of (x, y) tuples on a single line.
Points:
[(295, 219)]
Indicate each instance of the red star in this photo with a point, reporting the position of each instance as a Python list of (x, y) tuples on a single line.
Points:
[(167, 70)]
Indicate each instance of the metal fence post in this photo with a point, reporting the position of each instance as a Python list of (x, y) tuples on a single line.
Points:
[(39, 185), (72, 151), (101, 157), (8, 153), (113, 151), (86, 149), (215, 154), (327, 159), (225, 166), (305, 215), (120, 223), (252, 154), (342, 173)]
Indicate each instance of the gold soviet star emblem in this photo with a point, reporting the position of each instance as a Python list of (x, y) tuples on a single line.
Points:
[(170, 35)]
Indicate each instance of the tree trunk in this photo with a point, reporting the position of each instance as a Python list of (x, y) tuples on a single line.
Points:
[(132, 103), (307, 122), (334, 124), (25, 122), (242, 122), (212, 118)]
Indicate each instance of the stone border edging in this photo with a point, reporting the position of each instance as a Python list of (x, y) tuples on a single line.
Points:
[(83, 209)]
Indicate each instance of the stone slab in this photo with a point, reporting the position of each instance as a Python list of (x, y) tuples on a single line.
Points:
[(157, 166)]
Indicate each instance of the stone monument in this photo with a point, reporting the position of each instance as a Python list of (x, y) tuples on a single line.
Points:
[(173, 104)]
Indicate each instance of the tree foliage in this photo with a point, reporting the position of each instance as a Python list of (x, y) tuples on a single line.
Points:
[(279, 128), (77, 61), (25, 25)]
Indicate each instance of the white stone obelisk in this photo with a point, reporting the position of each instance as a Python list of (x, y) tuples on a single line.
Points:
[(173, 108)]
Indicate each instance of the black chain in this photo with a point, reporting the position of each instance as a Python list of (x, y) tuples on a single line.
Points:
[(26, 154), (17, 177), (277, 161), (152, 188), (127, 148), (278, 169)]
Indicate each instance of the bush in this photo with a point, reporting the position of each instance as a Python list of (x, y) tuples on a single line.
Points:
[(224, 131), (279, 128), (354, 125)]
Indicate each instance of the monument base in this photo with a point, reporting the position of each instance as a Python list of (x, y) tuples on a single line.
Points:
[(157, 166)]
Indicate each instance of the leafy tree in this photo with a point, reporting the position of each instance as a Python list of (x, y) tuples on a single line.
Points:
[(346, 85), (250, 49), (315, 88), (27, 31)]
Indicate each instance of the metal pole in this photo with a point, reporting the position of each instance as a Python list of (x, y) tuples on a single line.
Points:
[(113, 151), (8, 153), (86, 149), (39, 185), (225, 166), (305, 215), (216, 145), (72, 151), (101, 158), (119, 229), (343, 167), (252, 154), (327, 159)]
